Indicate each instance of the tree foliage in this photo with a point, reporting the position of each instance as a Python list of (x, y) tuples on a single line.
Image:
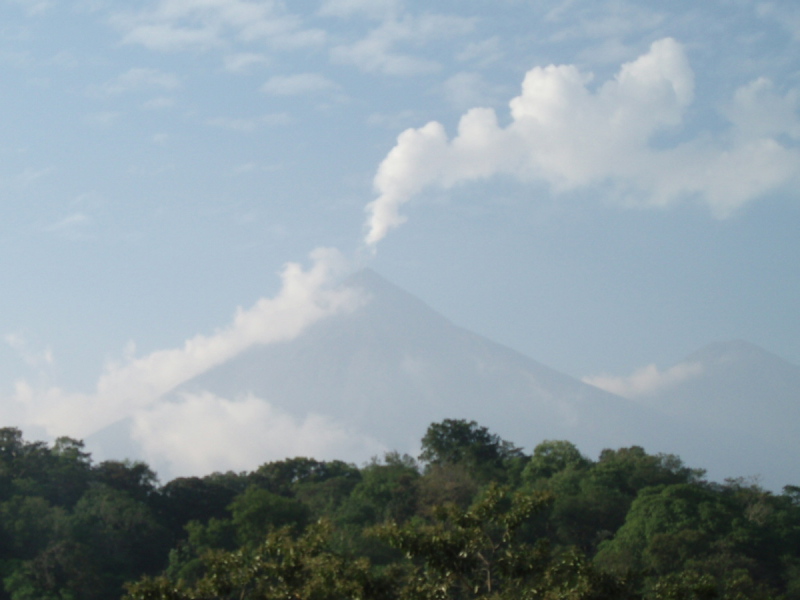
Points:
[(478, 519)]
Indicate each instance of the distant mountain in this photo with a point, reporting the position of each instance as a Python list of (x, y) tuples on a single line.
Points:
[(739, 386), (395, 365), (742, 392)]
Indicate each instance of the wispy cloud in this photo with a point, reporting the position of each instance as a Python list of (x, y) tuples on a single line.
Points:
[(141, 79), (125, 390), (31, 175), (244, 61), (172, 25), (249, 125), (646, 381), (570, 136), (159, 103), (376, 9), (32, 358), (785, 14), (602, 20), (298, 84), (378, 51), (467, 88), (103, 118), (72, 227), (34, 7), (483, 52)]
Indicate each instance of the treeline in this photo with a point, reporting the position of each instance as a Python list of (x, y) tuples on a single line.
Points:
[(473, 517)]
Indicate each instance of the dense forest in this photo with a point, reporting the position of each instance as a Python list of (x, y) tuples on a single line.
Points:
[(472, 517)]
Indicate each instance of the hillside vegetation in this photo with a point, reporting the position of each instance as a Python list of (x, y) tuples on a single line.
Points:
[(474, 517)]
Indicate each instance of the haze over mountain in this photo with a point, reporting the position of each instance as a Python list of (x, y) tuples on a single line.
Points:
[(738, 388), (735, 390), (379, 375)]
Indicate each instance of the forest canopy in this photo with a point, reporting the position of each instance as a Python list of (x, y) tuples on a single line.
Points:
[(473, 517)]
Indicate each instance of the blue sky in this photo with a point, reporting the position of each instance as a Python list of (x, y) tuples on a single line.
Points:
[(162, 160)]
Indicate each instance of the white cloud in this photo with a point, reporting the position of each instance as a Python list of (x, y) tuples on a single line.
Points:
[(376, 52), (138, 79), (646, 381), (571, 136), (298, 84), (758, 110), (123, 390), (202, 433)]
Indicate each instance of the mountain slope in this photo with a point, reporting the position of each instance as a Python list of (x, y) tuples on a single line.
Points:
[(739, 386), (741, 392), (381, 374), (394, 366)]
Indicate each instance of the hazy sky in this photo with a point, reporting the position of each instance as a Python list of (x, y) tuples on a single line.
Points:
[(601, 185)]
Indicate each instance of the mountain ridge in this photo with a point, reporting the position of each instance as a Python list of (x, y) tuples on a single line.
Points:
[(395, 365)]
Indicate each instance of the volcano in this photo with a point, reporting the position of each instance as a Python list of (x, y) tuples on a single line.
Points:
[(393, 366)]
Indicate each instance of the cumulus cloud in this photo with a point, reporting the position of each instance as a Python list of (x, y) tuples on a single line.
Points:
[(201, 433), (571, 136), (647, 381), (124, 389)]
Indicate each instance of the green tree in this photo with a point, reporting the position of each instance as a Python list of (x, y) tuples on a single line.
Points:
[(551, 457), (256, 511), (135, 478), (457, 441), (474, 553), (199, 499), (471, 447), (27, 526), (280, 568), (480, 554), (283, 477)]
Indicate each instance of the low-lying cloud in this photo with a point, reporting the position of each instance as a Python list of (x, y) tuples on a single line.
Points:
[(202, 433), (132, 388), (571, 136), (647, 381)]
